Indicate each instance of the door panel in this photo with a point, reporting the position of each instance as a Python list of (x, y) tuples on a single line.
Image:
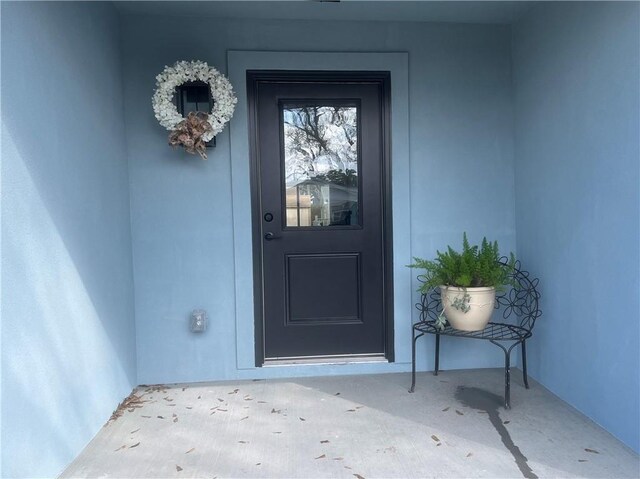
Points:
[(320, 242), (310, 279)]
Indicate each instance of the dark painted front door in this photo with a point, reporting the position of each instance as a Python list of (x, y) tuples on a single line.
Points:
[(319, 222)]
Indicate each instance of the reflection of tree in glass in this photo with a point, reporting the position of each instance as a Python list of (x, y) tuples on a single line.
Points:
[(347, 177), (318, 140)]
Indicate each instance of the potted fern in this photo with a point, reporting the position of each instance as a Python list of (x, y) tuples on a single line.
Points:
[(468, 282)]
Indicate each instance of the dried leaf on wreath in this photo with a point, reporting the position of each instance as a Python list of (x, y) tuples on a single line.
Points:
[(189, 132)]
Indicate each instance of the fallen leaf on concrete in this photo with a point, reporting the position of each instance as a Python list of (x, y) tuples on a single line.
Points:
[(129, 403), (322, 457), (135, 445), (435, 438), (593, 451), (190, 450)]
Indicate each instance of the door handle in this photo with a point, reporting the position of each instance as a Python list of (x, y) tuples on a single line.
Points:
[(270, 236)]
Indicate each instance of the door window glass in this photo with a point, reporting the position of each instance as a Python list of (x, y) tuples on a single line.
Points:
[(320, 165)]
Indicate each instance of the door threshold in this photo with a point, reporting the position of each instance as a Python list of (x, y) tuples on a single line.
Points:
[(344, 359)]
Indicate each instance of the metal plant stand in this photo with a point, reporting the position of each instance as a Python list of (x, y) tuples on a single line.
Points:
[(518, 304)]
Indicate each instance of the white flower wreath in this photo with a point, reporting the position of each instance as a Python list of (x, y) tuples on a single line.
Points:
[(224, 101)]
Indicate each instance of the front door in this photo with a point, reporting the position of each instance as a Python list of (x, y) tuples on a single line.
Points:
[(320, 214)]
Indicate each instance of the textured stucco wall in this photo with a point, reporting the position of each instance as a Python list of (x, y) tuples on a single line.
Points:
[(461, 160), (68, 332), (576, 77)]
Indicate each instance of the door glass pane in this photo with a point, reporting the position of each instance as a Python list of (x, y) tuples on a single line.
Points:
[(321, 165)]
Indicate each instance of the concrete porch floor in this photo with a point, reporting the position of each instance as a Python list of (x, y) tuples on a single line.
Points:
[(454, 425)]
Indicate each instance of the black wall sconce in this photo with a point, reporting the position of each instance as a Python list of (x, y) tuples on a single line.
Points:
[(195, 96)]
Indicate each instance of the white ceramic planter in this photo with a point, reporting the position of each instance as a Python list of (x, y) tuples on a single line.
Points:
[(481, 305)]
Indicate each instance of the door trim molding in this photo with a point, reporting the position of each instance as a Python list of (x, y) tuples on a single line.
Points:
[(381, 78), (239, 62)]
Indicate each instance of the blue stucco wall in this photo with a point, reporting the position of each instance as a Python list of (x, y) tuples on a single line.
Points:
[(68, 337), (576, 74), (181, 207)]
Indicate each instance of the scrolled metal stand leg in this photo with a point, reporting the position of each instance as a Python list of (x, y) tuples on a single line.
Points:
[(525, 377), (437, 367), (507, 380), (413, 361)]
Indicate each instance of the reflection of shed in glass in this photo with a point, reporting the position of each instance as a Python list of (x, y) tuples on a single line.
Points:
[(319, 202)]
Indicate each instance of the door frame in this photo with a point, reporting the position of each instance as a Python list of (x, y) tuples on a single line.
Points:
[(253, 78)]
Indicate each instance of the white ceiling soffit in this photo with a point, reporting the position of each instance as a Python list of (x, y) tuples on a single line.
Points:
[(397, 11)]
